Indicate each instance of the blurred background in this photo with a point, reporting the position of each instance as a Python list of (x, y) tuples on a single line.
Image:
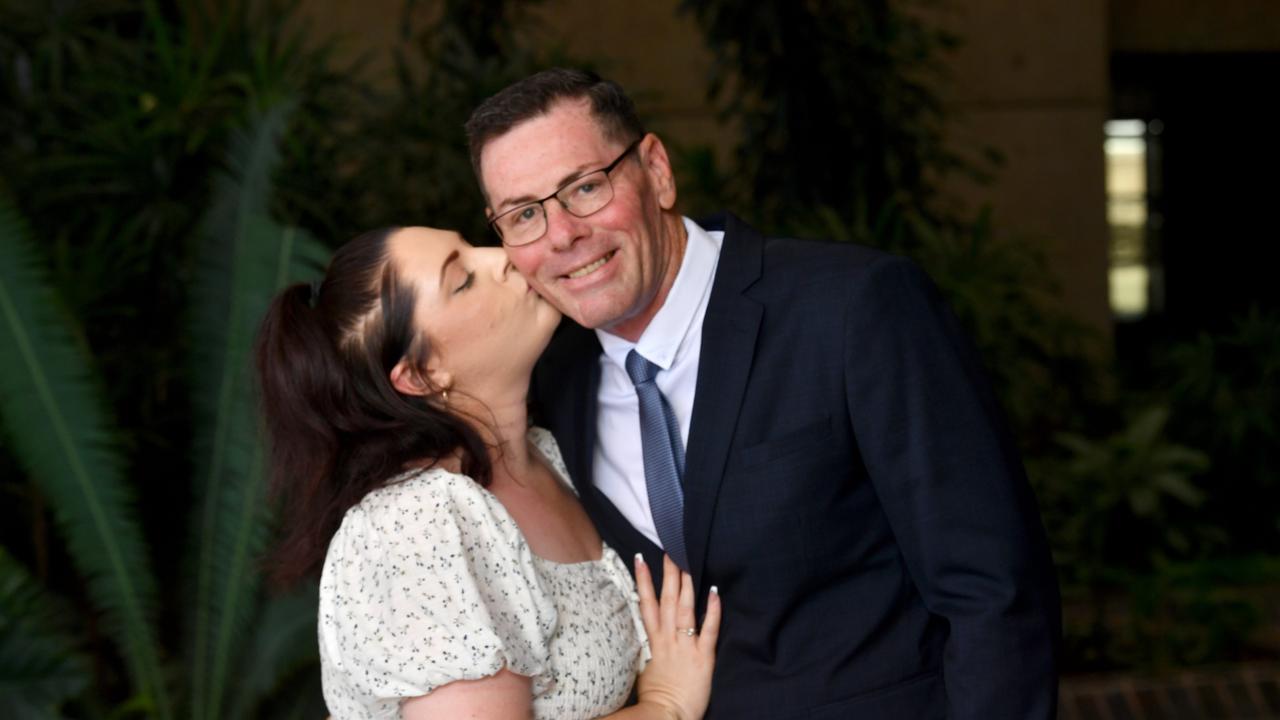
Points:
[(1091, 184)]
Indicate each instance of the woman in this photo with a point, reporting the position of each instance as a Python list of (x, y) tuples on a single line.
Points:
[(461, 576)]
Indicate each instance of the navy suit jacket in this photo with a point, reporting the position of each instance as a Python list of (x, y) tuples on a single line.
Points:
[(851, 488)]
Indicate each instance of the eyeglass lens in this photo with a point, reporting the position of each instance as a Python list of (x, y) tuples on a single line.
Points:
[(581, 197)]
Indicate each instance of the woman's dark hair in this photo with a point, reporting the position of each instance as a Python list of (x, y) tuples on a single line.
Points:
[(337, 427), (536, 94)]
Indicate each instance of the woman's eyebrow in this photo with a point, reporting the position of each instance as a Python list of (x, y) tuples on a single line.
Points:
[(444, 267)]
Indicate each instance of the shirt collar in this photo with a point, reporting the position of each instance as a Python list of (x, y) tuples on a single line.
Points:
[(661, 340)]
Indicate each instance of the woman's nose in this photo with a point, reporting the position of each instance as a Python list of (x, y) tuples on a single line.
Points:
[(496, 260)]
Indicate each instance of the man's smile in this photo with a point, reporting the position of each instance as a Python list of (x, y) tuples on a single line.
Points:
[(590, 267)]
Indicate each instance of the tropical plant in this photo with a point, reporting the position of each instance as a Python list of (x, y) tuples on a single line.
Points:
[(1123, 514), (41, 664), (1126, 502), (61, 435), (835, 102), (115, 118), (1195, 612), (404, 157), (1224, 389), (154, 253), (55, 423), (247, 258)]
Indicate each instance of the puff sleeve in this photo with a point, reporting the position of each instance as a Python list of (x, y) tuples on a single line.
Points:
[(428, 581)]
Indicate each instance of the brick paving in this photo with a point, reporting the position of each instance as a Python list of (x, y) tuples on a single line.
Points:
[(1238, 692)]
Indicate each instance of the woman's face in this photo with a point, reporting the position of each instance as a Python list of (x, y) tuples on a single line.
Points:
[(486, 326)]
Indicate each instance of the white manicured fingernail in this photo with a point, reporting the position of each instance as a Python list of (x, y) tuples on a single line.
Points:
[(715, 590), (639, 558)]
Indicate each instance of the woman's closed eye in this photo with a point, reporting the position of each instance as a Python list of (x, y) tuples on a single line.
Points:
[(471, 276)]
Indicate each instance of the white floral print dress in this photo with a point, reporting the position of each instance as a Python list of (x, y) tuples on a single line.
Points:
[(429, 580)]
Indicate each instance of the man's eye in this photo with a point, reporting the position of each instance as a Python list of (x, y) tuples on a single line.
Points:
[(587, 188), (524, 215), (471, 276)]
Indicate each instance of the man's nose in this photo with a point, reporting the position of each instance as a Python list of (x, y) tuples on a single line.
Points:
[(563, 227)]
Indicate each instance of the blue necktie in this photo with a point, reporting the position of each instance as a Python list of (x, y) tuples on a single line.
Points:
[(663, 457)]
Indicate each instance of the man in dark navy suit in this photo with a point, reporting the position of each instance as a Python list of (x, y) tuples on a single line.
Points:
[(801, 424)]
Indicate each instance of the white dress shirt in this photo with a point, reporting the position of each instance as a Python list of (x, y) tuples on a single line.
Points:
[(673, 342)]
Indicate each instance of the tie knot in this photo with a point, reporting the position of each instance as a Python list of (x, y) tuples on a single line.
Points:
[(640, 369)]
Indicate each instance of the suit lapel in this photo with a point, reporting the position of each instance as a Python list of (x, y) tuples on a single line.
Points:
[(584, 424), (580, 443), (729, 332)]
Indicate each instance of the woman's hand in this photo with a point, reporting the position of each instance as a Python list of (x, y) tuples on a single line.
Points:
[(677, 681)]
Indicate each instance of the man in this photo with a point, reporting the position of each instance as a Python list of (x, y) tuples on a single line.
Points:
[(801, 424)]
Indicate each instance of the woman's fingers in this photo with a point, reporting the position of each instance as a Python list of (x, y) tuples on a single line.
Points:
[(672, 613), (710, 623), (684, 609), (670, 593), (648, 601)]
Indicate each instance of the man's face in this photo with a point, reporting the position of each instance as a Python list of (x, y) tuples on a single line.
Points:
[(611, 269)]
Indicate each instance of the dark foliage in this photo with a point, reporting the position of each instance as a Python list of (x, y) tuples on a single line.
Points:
[(837, 105)]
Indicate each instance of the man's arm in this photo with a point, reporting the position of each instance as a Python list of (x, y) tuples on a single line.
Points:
[(947, 473)]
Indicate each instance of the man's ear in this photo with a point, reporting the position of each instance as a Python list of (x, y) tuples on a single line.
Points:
[(658, 165), (410, 381)]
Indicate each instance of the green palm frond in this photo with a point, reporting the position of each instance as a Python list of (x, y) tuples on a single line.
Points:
[(40, 665), (51, 413), (284, 642), (247, 258)]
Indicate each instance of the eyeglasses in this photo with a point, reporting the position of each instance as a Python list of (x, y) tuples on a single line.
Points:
[(581, 197)]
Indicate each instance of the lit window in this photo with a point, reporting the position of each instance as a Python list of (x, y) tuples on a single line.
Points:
[(1131, 263)]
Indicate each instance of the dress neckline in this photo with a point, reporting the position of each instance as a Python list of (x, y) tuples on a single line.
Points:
[(555, 471), (605, 551)]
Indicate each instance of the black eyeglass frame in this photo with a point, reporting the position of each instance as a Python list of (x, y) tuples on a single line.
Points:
[(493, 224)]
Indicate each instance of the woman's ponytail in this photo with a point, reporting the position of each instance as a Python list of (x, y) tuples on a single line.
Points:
[(300, 378), (337, 427)]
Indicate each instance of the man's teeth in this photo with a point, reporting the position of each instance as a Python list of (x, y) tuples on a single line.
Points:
[(589, 268)]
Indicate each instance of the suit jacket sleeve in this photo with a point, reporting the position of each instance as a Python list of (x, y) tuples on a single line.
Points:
[(945, 469)]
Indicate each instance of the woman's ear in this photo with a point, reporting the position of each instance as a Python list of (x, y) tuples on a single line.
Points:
[(439, 379), (407, 380)]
